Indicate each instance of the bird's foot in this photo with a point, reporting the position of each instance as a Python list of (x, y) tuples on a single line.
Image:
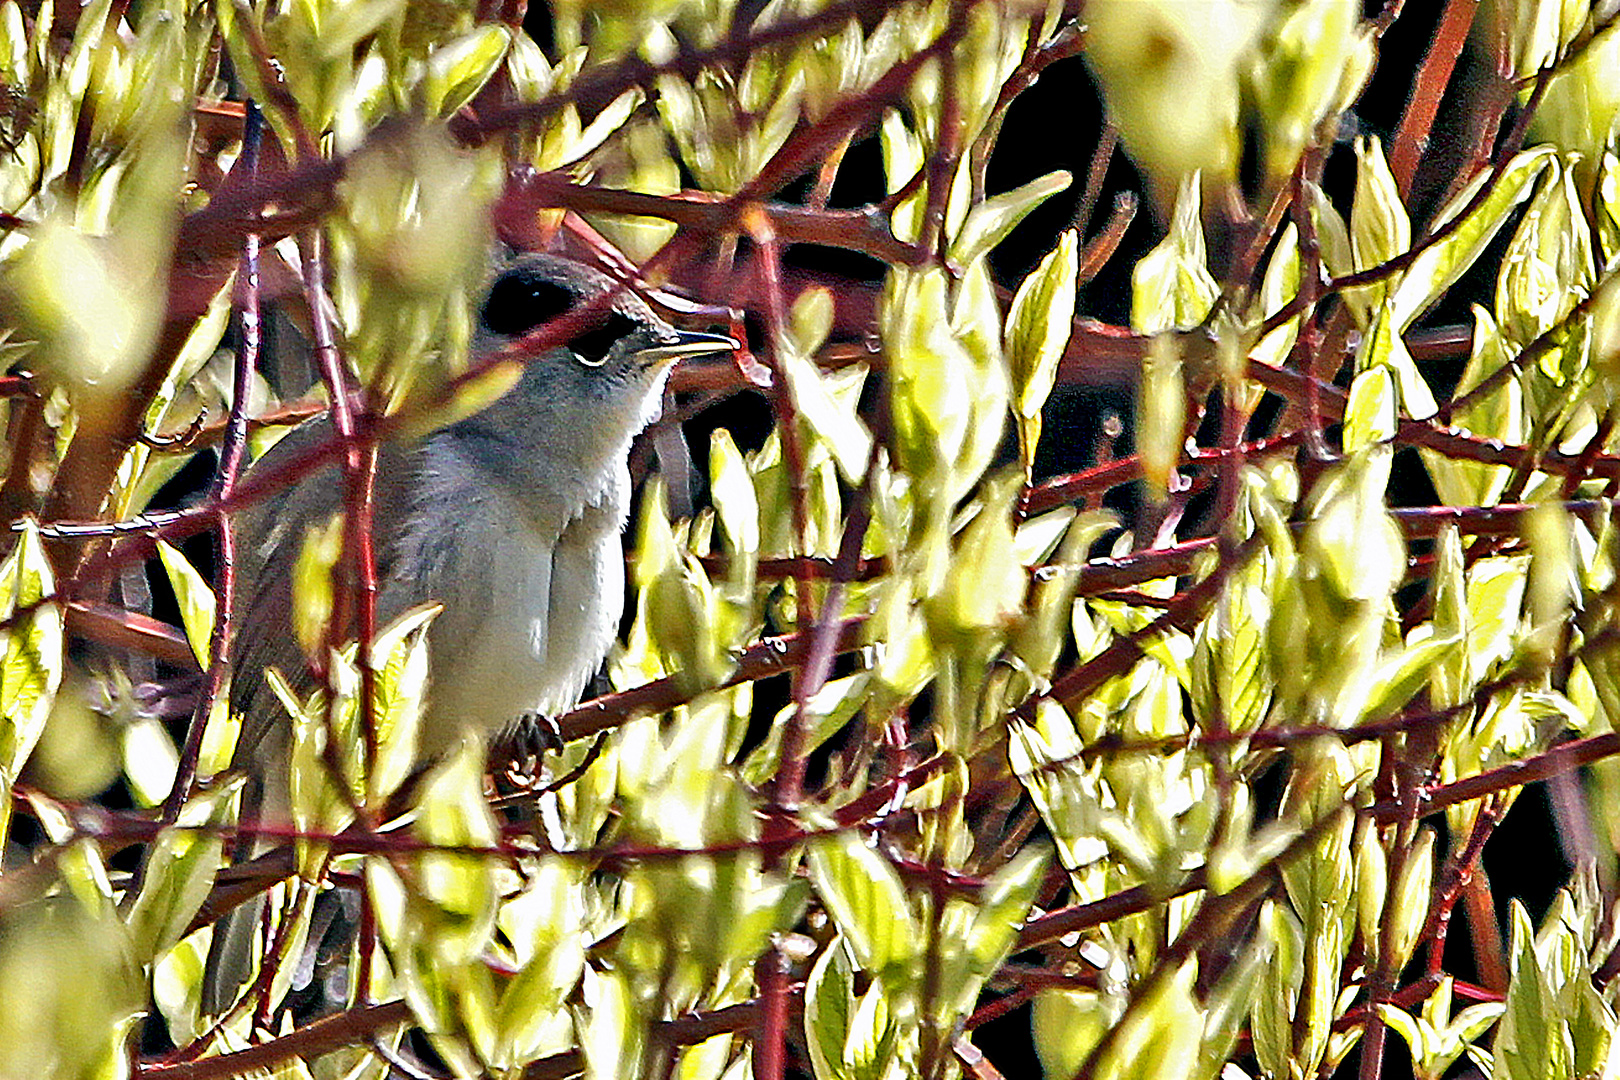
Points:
[(533, 734)]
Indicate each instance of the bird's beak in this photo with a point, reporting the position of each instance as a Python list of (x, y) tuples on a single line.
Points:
[(687, 343)]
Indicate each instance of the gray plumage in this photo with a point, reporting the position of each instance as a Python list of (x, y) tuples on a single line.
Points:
[(509, 518)]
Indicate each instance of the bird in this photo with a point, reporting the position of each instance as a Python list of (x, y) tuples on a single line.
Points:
[(509, 519)]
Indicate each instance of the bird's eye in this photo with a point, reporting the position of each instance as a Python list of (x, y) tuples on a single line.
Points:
[(518, 302), (593, 345)]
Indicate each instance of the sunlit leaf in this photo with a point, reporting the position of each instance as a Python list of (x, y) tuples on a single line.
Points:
[(179, 873), (31, 657), (1439, 266), (1171, 286), (195, 598), (989, 222), (460, 67), (1038, 329), (866, 899)]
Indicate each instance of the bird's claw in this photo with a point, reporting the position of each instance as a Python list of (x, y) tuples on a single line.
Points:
[(534, 734)]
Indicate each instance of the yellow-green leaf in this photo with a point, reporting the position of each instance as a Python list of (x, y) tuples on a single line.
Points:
[(195, 598)]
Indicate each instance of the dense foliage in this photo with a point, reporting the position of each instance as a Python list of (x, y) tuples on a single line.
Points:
[(1189, 755)]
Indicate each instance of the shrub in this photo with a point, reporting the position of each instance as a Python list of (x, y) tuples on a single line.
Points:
[(933, 705)]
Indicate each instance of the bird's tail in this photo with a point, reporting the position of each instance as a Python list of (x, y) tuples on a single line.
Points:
[(230, 967)]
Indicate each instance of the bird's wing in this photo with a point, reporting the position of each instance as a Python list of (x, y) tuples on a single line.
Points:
[(270, 539), (270, 536)]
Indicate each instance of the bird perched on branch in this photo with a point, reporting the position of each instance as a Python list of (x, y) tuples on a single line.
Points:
[(509, 519)]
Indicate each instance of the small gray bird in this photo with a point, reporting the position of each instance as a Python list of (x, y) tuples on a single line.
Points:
[(509, 518)]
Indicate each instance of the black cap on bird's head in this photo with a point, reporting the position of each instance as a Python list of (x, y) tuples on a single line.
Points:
[(621, 335)]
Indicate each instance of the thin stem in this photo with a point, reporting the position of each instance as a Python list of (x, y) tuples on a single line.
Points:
[(1101, 157), (233, 450), (1417, 121)]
